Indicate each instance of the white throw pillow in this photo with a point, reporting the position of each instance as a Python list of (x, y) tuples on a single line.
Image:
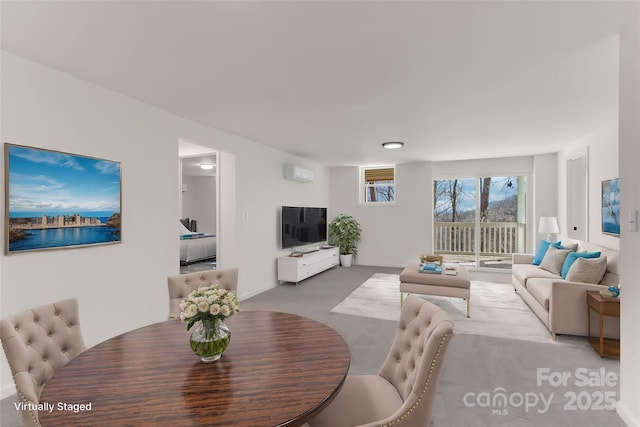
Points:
[(588, 270)]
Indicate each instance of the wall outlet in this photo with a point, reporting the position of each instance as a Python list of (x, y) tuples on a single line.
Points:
[(633, 220)]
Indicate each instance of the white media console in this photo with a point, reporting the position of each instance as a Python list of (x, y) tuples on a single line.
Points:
[(296, 269)]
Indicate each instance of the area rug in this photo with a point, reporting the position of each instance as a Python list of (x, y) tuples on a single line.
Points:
[(496, 310)]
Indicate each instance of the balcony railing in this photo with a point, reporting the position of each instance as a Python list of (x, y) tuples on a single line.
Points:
[(496, 238)]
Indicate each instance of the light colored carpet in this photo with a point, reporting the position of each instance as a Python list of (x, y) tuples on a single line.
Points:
[(496, 310)]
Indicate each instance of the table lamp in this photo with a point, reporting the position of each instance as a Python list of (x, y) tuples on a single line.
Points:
[(549, 225)]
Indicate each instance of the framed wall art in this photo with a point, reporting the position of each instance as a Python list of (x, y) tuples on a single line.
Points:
[(611, 206), (59, 200)]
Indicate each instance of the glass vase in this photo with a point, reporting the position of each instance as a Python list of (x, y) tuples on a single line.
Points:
[(210, 339)]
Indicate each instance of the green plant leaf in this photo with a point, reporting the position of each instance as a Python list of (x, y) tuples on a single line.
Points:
[(346, 232)]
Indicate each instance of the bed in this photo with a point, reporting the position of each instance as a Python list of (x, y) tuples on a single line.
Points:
[(196, 246)]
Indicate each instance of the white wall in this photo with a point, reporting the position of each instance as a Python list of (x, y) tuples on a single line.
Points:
[(188, 197), (629, 155), (392, 235), (199, 202), (259, 216), (545, 185), (602, 151), (397, 234), (45, 108)]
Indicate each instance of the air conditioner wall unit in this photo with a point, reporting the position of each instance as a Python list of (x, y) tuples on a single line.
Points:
[(297, 173)]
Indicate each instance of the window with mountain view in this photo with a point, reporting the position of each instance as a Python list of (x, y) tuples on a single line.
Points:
[(479, 221)]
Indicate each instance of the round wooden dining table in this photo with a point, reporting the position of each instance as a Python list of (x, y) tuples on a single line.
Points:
[(280, 370)]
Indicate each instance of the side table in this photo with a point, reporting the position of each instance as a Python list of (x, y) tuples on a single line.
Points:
[(604, 306)]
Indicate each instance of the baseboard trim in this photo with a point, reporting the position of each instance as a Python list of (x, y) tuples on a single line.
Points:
[(255, 292), (7, 391), (379, 265), (629, 419)]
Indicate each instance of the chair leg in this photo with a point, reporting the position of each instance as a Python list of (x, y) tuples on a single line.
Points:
[(553, 336), (401, 298), (468, 307)]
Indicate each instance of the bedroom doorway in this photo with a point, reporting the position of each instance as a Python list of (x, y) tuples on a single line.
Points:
[(199, 207)]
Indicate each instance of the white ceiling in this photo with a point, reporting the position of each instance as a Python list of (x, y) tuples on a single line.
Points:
[(191, 165), (332, 80), (193, 155)]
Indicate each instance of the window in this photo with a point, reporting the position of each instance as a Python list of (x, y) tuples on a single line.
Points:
[(479, 222), (378, 184)]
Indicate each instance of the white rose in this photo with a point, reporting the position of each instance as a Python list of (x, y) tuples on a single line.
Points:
[(215, 309), (225, 310), (203, 306), (190, 312)]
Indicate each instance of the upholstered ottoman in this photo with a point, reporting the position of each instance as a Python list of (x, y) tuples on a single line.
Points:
[(445, 285)]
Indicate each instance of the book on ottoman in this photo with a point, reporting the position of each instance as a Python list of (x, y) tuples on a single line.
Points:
[(430, 268)]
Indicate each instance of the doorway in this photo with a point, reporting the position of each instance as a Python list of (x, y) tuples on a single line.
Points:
[(479, 222), (199, 207)]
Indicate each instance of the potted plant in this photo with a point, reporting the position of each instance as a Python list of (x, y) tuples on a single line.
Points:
[(346, 232)]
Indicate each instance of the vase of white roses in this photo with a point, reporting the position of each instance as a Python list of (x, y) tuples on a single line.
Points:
[(208, 307)]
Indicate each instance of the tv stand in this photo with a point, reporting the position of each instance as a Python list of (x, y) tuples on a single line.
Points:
[(296, 269)]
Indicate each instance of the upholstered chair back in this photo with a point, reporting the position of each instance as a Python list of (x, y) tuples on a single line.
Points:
[(415, 359), (182, 285), (37, 343), (403, 392)]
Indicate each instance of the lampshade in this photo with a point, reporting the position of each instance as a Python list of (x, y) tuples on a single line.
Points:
[(549, 225)]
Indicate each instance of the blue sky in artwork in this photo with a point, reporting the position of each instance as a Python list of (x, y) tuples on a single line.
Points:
[(52, 182)]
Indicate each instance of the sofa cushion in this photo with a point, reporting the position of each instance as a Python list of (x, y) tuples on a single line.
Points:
[(587, 270), (572, 257), (524, 272), (543, 246), (554, 259), (540, 289)]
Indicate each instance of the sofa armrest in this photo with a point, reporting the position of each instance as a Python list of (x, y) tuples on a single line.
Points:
[(568, 307), (522, 258)]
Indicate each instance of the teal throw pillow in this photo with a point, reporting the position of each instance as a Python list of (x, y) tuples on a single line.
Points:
[(572, 257), (543, 247)]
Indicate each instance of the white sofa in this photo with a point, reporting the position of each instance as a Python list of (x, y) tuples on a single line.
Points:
[(560, 304)]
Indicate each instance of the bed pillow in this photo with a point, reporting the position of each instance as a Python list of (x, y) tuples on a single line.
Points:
[(554, 259), (588, 270), (184, 231), (542, 250), (572, 257)]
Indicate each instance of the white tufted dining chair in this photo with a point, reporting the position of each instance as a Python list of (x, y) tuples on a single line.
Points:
[(404, 390), (37, 343), (182, 285)]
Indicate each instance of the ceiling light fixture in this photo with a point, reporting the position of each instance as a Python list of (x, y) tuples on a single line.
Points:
[(206, 166), (392, 145)]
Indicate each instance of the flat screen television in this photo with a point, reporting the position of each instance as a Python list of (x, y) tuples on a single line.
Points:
[(303, 226)]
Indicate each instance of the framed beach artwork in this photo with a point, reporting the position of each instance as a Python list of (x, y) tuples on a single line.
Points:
[(611, 207), (59, 200)]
